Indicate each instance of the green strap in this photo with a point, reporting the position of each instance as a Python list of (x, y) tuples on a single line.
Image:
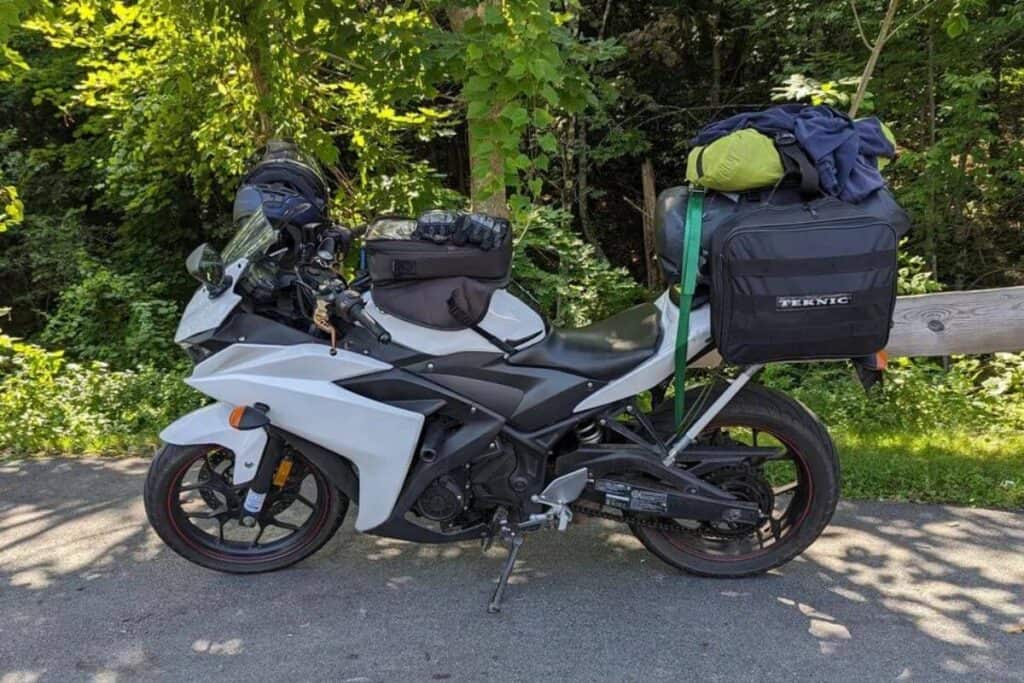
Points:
[(689, 264)]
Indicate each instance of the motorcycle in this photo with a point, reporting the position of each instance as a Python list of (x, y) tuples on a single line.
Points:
[(323, 399)]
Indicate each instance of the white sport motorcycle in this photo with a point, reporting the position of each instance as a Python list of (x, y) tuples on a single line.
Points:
[(323, 399)]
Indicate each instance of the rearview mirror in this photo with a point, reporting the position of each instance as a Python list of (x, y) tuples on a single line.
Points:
[(206, 265), (325, 251)]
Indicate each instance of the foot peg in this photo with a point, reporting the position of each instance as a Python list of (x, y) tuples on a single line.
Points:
[(558, 495)]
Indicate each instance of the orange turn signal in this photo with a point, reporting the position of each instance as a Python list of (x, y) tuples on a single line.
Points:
[(235, 418), (881, 360), (247, 417)]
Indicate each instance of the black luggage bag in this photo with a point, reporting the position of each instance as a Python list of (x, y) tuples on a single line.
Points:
[(791, 279)]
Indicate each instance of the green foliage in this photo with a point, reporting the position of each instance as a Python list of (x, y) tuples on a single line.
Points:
[(11, 13), (561, 273), (127, 125), (12, 210), (928, 434), (521, 68), (48, 405), (836, 93), (913, 276), (961, 466), (115, 318), (194, 90)]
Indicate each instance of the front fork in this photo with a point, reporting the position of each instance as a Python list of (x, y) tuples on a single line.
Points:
[(245, 418), (273, 452)]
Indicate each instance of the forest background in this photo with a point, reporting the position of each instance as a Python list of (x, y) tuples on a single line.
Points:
[(125, 127)]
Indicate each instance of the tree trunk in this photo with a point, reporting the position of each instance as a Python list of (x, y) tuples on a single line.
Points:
[(714, 21), (650, 249), (931, 243), (259, 81), (567, 141), (876, 50), (257, 52), (486, 172), (583, 188)]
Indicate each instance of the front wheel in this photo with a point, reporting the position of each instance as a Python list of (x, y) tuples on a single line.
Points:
[(193, 506), (797, 490)]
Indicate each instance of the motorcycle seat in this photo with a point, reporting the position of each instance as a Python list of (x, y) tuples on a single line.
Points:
[(604, 350)]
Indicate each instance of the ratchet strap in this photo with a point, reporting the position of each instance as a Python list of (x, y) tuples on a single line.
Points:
[(688, 264)]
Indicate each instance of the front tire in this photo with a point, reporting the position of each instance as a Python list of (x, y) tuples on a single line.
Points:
[(813, 498), (193, 507)]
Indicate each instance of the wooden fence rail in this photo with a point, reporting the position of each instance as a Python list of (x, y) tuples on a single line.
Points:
[(948, 323)]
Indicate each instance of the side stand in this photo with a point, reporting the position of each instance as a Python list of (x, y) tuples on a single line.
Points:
[(514, 543)]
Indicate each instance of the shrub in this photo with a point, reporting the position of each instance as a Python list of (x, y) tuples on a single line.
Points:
[(917, 395), (49, 405), (115, 318), (562, 273)]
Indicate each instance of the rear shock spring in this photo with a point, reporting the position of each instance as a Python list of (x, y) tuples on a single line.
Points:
[(589, 433)]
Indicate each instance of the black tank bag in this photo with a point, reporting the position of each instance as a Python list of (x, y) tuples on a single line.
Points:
[(803, 280), (443, 286)]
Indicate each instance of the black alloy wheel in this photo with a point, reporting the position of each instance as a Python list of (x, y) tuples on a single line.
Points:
[(796, 488), (194, 507)]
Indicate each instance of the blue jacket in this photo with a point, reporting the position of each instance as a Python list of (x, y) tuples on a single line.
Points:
[(843, 150)]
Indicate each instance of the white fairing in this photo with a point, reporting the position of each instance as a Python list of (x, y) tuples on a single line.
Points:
[(507, 318), (203, 313), (297, 383), (662, 364), (209, 425)]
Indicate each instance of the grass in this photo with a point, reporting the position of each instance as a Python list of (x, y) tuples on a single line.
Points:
[(956, 467)]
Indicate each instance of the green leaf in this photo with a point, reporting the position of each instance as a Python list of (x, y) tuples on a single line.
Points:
[(548, 142), (477, 109), (956, 24), (542, 118), (549, 94), (492, 15), (515, 114)]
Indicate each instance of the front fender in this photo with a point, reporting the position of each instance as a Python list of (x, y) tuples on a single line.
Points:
[(209, 425)]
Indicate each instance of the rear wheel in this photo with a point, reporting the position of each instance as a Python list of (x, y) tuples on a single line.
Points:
[(193, 506), (797, 488)]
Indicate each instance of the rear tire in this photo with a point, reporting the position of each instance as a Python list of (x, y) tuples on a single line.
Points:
[(171, 520), (793, 425)]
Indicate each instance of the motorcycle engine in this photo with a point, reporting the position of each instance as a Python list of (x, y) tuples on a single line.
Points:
[(501, 477), (442, 500)]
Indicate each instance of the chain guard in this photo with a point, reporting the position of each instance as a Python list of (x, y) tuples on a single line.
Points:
[(732, 479)]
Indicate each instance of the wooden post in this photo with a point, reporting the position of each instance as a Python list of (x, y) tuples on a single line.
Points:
[(650, 248)]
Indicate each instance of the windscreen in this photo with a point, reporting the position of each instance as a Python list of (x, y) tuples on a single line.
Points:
[(252, 240)]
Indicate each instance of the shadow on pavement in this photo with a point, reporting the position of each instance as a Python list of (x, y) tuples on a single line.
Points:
[(890, 591)]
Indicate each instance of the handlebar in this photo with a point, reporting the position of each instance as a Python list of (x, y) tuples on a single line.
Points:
[(357, 313), (349, 306)]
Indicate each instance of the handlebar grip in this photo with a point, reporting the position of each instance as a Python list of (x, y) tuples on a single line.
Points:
[(367, 321)]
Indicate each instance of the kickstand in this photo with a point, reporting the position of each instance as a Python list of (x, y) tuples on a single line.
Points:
[(514, 544)]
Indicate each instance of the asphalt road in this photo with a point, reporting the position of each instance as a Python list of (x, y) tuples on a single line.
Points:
[(890, 592)]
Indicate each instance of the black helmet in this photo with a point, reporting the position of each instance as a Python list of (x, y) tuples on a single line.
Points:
[(287, 184)]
